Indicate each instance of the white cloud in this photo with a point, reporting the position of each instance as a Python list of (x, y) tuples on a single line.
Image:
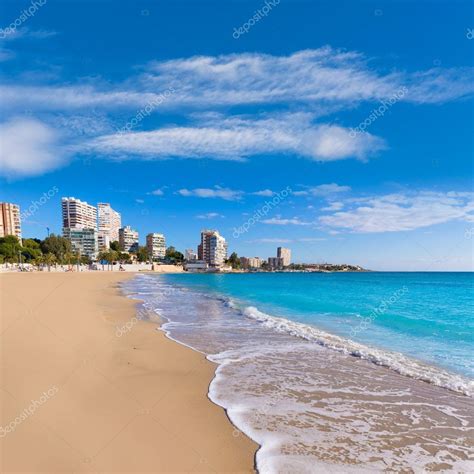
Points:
[(333, 206), (209, 215), (270, 240), (157, 192), (28, 148), (279, 221), (402, 212), (324, 190), (311, 239), (216, 192), (309, 77), (25, 32), (264, 193), (276, 240), (237, 138)]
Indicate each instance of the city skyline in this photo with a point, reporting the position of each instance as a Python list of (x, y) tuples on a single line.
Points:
[(298, 134)]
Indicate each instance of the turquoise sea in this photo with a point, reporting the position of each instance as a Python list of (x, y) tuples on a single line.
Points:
[(332, 372), (428, 316)]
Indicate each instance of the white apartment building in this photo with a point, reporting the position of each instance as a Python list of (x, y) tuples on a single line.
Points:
[(213, 248), (156, 245), (128, 239), (251, 262), (190, 255), (83, 241), (80, 226), (10, 220), (78, 214), (285, 255), (110, 221)]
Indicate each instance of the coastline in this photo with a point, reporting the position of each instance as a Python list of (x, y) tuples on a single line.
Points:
[(308, 405), (88, 387)]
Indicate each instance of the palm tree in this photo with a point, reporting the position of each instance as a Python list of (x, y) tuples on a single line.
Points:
[(49, 259)]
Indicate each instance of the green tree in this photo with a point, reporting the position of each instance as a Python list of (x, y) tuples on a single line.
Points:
[(173, 255), (58, 246), (234, 261), (49, 259), (110, 256), (30, 250), (115, 246), (10, 248), (142, 254), (124, 257)]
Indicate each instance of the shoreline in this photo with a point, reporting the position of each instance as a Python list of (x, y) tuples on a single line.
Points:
[(297, 398), (137, 401)]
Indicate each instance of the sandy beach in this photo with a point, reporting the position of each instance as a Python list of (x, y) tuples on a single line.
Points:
[(80, 395)]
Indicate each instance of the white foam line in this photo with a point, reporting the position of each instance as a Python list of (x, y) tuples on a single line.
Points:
[(393, 360)]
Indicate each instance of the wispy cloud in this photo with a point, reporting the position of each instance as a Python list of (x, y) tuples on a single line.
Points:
[(325, 190), (333, 206), (216, 192), (309, 77), (280, 221), (209, 215), (270, 240), (402, 212), (237, 138), (264, 193), (157, 192), (276, 240)]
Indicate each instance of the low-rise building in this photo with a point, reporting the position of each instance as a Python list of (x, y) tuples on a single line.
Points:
[(275, 262), (251, 262), (196, 266), (156, 246), (190, 255), (128, 239)]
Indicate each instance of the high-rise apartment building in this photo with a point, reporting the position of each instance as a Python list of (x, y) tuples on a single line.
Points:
[(213, 248), (128, 239), (78, 214), (83, 241), (109, 223), (10, 220), (156, 246), (285, 255), (80, 226)]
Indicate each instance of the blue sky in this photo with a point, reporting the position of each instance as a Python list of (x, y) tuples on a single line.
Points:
[(185, 115)]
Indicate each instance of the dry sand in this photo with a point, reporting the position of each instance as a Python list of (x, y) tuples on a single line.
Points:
[(78, 397)]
